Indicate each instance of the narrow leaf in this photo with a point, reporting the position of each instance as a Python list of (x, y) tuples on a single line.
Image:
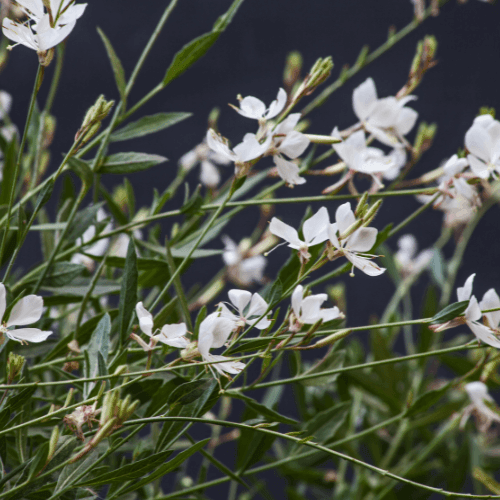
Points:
[(128, 294), (128, 163), (116, 65)]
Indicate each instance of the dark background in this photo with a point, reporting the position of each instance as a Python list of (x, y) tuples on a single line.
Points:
[(248, 59)]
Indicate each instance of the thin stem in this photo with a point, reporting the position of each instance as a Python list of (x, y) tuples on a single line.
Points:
[(39, 76)]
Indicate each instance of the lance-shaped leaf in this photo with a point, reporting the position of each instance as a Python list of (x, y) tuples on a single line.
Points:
[(148, 125), (116, 65), (128, 163), (128, 293)]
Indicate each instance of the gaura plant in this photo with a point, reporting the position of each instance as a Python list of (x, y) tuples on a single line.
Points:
[(124, 379)]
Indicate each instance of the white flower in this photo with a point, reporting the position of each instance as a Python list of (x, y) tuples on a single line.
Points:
[(241, 269), (388, 119), (120, 245), (407, 259), (314, 230), (172, 335), (257, 306), (289, 142), (214, 332), (473, 313), (478, 394), (355, 246), (98, 248), (208, 159), (483, 142), (307, 311), (5, 104), (28, 310), (47, 30), (360, 158), (254, 108)]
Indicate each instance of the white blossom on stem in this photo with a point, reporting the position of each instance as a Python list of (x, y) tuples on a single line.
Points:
[(483, 142), (172, 335), (5, 104), (26, 311), (292, 143), (214, 332), (307, 311), (243, 270), (98, 248), (208, 160), (249, 308), (407, 259), (314, 229), (481, 405), (358, 157), (486, 334), (254, 108), (387, 119), (48, 28), (355, 245)]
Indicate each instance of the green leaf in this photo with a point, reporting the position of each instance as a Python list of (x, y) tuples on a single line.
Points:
[(128, 163), (82, 169), (325, 424), (268, 413), (189, 392), (168, 467), (72, 471), (99, 344), (128, 293), (148, 125), (62, 273), (252, 445), (425, 401), (14, 402), (131, 471), (9, 166), (116, 65), (198, 47), (192, 205), (331, 362), (437, 266), (82, 222), (450, 312)]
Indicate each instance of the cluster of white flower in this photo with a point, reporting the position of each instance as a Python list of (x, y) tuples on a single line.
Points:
[(49, 23), (345, 235)]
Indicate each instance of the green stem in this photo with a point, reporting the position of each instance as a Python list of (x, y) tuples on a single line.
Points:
[(39, 76)]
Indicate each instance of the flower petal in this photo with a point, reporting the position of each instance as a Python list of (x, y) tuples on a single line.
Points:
[(209, 174), (364, 99), (332, 235), (19, 33), (484, 334), (491, 301), (464, 292), (240, 299), (28, 310), (233, 367), (258, 306), (344, 217), (364, 264), (28, 335), (145, 319), (3, 300), (311, 308), (216, 144), (288, 171), (251, 148), (174, 331), (362, 240), (329, 314), (406, 120), (277, 105), (478, 142), (473, 311), (251, 107), (478, 167), (285, 232), (297, 295), (385, 113), (315, 228), (54, 36), (294, 144)]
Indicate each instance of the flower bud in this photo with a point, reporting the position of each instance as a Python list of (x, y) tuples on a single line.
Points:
[(293, 67), (320, 71), (92, 121), (425, 136), (334, 337), (213, 118), (337, 295), (190, 352), (362, 206), (371, 213), (54, 438), (15, 364), (353, 227)]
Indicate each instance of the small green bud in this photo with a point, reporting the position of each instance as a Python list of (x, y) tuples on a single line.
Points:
[(484, 110), (371, 213), (337, 295), (293, 67), (425, 136), (213, 118), (54, 438), (93, 118), (362, 206), (353, 227), (15, 364), (334, 337), (319, 73)]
